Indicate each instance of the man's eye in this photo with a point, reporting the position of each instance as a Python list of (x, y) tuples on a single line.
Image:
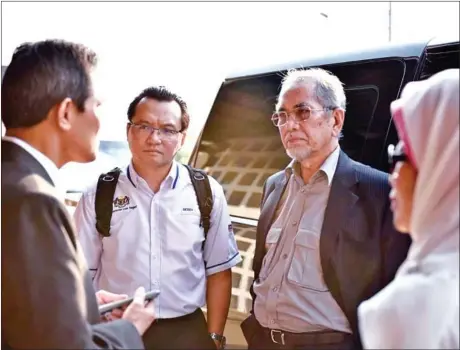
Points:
[(144, 127), (169, 131), (302, 113)]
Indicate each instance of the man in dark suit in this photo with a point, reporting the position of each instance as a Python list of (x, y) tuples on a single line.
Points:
[(48, 302), (325, 239)]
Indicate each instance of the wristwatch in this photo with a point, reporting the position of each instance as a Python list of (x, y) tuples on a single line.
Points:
[(219, 338)]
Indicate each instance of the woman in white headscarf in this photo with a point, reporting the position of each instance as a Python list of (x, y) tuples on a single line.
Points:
[(420, 308)]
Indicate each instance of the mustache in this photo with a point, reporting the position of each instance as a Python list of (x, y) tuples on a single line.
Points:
[(291, 136)]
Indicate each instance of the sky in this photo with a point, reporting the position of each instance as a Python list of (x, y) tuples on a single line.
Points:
[(192, 46)]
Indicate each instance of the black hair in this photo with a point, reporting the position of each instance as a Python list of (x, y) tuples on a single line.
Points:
[(41, 75), (161, 93)]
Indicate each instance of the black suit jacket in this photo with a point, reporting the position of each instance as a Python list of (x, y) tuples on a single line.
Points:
[(359, 248), (48, 301)]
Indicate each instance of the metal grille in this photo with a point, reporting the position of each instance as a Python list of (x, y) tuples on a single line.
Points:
[(242, 168), (242, 274)]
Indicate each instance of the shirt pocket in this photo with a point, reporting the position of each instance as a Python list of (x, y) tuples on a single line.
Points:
[(305, 267), (121, 218), (271, 241), (184, 231), (190, 217)]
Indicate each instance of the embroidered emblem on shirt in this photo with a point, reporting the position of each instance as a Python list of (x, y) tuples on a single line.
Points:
[(187, 209), (121, 201)]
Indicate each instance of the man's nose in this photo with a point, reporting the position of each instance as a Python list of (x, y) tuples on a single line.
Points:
[(291, 124), (155, 136)]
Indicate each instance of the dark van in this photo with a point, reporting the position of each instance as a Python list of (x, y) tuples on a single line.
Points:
[(240, 147)]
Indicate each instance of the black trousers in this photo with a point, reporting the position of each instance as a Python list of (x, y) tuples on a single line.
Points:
[(259, 338), (189, 332), (261, 341)]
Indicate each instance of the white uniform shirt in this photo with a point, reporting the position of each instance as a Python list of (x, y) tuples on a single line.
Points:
[(156, 241)]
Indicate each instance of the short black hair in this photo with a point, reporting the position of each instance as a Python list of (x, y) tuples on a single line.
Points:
[(41, 75), (161, 93)]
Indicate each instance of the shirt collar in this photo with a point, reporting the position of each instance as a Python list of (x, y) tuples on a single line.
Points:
[(329, 166), (49, 166), (170, 181)]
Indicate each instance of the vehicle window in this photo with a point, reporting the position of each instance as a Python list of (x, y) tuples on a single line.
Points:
[(241, 148), (439, 58)]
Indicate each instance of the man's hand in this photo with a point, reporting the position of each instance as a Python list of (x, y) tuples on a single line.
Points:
[(218, 344), (104, 297), (138, 313)]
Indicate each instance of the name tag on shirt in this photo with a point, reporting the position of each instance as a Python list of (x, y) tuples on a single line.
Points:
[(189, 211)]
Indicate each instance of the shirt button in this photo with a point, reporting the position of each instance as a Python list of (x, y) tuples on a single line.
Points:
[(294, 223), (272, 321), (285, 256), (275, 289), (302, 190), (154, 257)]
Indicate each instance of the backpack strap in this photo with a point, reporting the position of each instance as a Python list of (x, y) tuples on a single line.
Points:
[(200, 182), (105, 190)]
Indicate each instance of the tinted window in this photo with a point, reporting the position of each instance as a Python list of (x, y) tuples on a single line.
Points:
[(241, 145)]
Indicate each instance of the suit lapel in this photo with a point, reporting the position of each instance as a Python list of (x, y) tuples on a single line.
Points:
[(271, 204), (266, 218), (342, 199)]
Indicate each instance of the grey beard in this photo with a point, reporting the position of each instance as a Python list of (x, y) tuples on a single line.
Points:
[(299, 154)]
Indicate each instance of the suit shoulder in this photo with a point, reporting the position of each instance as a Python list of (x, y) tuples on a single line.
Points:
[(372, 174), (41, 201), (17, 184), (374, 180)]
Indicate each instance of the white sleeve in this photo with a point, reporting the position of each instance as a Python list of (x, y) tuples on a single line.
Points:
[(89, 238), (220, 250)]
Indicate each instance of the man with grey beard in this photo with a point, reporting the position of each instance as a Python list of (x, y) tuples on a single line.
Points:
[(325, 239)]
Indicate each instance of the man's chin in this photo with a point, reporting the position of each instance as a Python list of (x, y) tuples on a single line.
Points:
[(298, 154)]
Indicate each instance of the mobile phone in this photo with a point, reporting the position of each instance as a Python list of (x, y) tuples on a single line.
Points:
[(103, 309)]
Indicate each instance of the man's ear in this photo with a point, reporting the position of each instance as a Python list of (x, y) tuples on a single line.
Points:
[(184, 134), (65, 112), (338, 115)]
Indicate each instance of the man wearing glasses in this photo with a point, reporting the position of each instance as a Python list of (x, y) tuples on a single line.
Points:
[(156, 239), (325, 239)]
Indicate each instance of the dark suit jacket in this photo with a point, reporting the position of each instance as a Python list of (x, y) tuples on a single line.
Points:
[(48, 301), (359, 248)]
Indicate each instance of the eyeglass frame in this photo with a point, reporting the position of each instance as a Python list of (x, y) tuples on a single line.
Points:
[(395, 155), (153, 129), (324, 109)]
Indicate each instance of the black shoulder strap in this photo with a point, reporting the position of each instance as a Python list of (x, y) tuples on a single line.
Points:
[(203, 193), (105, 190)]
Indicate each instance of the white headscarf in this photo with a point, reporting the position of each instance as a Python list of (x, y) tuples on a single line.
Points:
[(420, 308), (427, 119)]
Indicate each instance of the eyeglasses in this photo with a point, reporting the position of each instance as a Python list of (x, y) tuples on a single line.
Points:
[(396, 154), (145, 130), (301, 114)]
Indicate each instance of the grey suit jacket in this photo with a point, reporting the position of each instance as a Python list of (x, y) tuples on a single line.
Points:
[(48, 301)]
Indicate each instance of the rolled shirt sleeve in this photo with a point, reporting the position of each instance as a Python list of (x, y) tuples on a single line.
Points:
[(220, 250)]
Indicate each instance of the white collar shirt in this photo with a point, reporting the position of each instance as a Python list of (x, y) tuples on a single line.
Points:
[(156, 241)]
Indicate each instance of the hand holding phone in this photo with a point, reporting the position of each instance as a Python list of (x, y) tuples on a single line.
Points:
[(120, 304), (138, 313)]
